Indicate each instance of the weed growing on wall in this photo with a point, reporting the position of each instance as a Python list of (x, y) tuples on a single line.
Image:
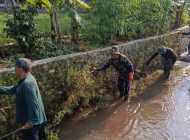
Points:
[(68, 83)]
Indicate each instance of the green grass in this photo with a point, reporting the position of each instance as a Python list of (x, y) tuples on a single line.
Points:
[(2, 24), (177, 69), (43, 24)]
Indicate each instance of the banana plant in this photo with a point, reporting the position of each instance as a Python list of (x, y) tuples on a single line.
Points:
[(179, 8), (13, 5), (70, 8), (52, 8)]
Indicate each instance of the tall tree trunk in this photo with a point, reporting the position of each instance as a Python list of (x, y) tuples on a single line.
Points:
[(53, 33), (177, 18), (57, 23), (6, 6), (74, 30), (14, 17)]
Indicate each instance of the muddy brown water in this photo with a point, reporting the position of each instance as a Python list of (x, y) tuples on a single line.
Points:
[(160, 113)]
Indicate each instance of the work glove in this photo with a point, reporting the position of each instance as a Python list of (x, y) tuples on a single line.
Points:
[(131, 74)]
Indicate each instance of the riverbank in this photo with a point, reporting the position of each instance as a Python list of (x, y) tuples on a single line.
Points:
[(160, 112)]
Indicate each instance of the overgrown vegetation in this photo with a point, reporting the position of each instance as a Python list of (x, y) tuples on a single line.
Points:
[(69, 84), (110, 19), (104, 23)]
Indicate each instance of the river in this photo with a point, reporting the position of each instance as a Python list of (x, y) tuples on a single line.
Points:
[(162, 112)]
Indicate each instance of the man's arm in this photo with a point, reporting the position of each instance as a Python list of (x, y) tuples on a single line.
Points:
[(32, 103), (104, 67), (129, 65), (130, 69), (151, 58), (8, 90), (186, 33)]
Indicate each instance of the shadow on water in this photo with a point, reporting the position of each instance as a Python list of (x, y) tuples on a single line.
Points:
[(159, 113), (83, 122), (154, 89)]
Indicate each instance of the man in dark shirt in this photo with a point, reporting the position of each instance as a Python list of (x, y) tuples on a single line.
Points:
[(29, 106), (125, 68), (169, 56)]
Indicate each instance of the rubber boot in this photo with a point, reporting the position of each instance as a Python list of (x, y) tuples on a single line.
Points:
[(167, 75), (121, 94), (126, 96)]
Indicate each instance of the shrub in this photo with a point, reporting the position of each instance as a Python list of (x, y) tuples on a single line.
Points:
[(133, 18)]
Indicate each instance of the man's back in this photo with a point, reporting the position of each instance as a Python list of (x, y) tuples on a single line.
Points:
[(29, 105)]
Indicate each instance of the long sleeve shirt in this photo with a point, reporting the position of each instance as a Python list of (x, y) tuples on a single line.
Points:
[(122, 65), (168, 55), (29, 105), (186, 33)]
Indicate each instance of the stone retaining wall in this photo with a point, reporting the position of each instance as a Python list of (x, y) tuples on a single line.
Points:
[(101, 55), (66, 82)]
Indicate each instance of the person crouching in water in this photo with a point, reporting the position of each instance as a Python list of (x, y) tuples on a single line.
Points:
[(169, 59), (125, 69)]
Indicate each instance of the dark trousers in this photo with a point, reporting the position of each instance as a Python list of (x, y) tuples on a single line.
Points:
[(37, 132), (123, 85), (168, 65)]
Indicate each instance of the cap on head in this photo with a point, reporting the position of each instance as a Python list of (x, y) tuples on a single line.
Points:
[(161, 50), (24, 63), (115, 50)]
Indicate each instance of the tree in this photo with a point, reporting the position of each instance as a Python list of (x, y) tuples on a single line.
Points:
[(179, 8), (67, 7), (71, 8)]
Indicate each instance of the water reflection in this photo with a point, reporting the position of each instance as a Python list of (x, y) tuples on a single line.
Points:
[(159, 114)]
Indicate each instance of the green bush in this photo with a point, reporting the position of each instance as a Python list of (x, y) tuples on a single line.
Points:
[(132, 18), (32, 41), (26, 36)]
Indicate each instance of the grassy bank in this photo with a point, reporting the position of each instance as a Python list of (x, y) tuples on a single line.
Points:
[(43, 24)]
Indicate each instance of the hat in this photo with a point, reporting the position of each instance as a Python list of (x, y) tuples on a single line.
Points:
[(24, 63), (114, 50), (161, 50)]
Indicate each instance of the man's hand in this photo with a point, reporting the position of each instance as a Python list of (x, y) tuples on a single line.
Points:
[(131, 74), (27, 126), (180, 33), (94, 68)]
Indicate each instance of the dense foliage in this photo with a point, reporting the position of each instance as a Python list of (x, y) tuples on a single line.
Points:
[(132, 18), (74, 86), (27, 37), (103, 23)]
